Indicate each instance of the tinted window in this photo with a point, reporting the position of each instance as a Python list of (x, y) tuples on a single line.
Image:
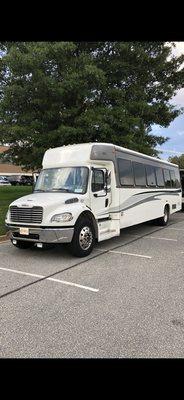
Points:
[(167, 178), (97, 180), (177, 177), (139, 174), (125, 172), (159, 177), (173, 178), (182, 182), (150, 173)]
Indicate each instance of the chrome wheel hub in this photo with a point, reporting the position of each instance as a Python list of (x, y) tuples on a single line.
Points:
[(85, 238)]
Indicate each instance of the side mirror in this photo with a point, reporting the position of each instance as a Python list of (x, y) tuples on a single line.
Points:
[(100, 193)]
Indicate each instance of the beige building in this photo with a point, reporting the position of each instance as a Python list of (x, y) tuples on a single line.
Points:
[(11, 169)]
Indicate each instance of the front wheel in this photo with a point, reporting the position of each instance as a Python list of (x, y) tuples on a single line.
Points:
[(83, 238), (165, 219)]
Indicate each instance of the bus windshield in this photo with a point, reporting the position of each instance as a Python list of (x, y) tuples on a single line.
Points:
[(63, 179)]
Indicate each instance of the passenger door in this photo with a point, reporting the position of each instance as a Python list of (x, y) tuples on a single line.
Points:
[(100, 193)]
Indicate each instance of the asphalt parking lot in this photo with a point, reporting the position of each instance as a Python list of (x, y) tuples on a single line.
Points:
[(126, 300)]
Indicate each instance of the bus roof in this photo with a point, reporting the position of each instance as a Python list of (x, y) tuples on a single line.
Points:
[(86, 152), (136, 153)]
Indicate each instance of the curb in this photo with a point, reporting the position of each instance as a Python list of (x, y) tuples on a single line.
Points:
[(4, 238)]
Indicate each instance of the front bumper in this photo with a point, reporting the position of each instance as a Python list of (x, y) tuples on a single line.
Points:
[(42, 235)]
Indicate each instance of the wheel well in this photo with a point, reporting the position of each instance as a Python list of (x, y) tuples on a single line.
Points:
[(167, 206), (90, 216)]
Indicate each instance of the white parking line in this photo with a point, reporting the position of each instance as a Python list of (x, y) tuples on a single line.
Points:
[(153, 237), (101, 251), (176, 229), (129, 254), (50, 279), (159, 238)]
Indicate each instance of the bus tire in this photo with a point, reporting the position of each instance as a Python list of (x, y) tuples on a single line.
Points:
[(21, 244), (163, 221), (83, 238)]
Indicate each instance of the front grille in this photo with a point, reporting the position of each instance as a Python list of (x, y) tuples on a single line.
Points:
[(32, 215)]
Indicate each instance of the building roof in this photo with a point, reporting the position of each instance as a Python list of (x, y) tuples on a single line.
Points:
[(3, 149), (8, 167)]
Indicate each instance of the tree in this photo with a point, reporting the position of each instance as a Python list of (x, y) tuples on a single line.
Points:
[(58, 93), (177, 160)]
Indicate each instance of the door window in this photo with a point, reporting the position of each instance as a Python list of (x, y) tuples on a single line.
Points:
[(98, 180)]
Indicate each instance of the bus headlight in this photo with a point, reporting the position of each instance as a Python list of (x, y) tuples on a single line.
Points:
[(64, 217)]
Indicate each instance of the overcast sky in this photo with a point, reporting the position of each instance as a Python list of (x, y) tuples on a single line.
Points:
[(175, 145)]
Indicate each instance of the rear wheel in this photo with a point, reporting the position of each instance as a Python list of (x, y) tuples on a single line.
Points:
[(22, 244), (165, 219), (83, 238)]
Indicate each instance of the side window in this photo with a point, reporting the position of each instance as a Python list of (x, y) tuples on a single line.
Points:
[(98, 180), (159, 177), (173, 178), (181, 174), (150, 173), (125, 172), (139, 174), (177, 178), (167, 178)]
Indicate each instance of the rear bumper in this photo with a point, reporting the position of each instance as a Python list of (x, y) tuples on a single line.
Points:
[(41, 235)]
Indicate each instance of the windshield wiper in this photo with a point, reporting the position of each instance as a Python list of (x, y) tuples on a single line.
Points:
[(61, 189), (39, 190)]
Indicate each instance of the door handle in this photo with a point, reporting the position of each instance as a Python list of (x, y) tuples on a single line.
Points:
[(106, 202)]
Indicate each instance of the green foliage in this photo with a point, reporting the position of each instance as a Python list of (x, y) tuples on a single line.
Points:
[(177, 160), (7, 195), (58, 93)]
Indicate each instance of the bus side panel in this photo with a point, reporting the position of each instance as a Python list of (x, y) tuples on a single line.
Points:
[(137, 206)]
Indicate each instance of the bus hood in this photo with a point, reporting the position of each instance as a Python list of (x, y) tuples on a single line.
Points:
[(46, 199)]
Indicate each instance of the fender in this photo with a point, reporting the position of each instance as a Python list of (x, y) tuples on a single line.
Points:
[(88, 214)]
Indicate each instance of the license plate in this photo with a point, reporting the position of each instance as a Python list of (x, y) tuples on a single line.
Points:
[(24, 231)]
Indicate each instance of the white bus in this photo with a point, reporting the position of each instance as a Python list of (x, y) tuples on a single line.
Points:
[(87, 192), (182, 186)]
